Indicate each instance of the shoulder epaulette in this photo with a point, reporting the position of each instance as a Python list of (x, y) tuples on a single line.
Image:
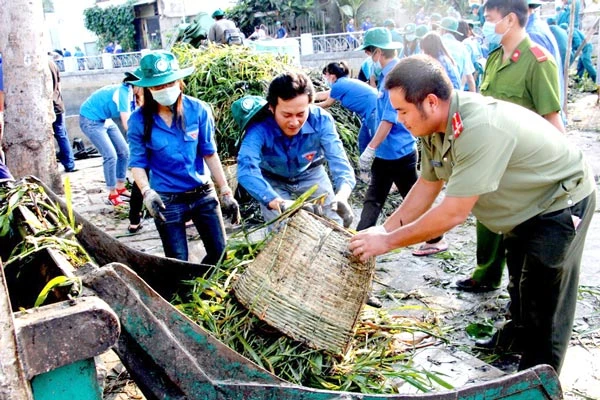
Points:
[(538, 53)]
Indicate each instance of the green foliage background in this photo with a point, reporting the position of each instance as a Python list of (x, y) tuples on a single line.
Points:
[(111, 24)]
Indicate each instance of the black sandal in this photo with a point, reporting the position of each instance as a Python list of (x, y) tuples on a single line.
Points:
[(136, 229)]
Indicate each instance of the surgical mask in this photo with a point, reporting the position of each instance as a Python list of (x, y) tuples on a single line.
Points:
[(493, 39), (410, 38), (167, 96)]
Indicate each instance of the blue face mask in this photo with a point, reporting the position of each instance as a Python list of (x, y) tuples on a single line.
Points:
[(493, 39), (377, 68)]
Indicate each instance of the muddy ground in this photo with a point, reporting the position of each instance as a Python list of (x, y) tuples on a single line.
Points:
[(426, 282)]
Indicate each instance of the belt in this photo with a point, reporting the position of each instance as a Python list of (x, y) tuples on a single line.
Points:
[(202, 189), (285, 179)]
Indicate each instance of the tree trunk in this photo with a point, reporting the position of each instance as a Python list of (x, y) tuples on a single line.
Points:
[(28, 136)]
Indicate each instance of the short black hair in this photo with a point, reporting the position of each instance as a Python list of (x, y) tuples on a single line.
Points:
[(519, 7), (339, 69), (419, 76), (289, 85)]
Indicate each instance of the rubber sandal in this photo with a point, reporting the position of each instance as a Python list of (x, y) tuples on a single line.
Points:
[(428, 249), (115, 200), (124, 192), (136, 229)]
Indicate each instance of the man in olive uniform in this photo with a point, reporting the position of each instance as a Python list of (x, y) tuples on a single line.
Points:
[(517, 173), (523, 73)]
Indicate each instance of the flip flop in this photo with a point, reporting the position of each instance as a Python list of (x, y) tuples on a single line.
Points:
[(428, 249)]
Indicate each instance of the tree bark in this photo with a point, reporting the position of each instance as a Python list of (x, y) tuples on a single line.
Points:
[(28, 137)]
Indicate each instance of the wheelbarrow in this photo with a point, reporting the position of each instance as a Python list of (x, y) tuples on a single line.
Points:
[(171, 357)]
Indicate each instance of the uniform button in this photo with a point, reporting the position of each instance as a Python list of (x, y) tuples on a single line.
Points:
[(445, 159), (569, 202), (499, 232)]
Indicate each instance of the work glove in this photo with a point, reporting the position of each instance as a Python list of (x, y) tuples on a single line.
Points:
[(366, 159), (310, 207), (154, 204), (341, 206), (229, 206)]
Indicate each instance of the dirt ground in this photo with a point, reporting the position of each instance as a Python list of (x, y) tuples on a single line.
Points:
[(403, 279)]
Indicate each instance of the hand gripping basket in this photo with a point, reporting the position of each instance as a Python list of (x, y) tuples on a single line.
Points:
[(307, 284)]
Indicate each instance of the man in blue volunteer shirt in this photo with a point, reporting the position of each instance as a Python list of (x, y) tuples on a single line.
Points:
[(284, 152)]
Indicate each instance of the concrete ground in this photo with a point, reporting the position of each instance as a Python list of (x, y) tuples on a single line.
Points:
[(427, 281)]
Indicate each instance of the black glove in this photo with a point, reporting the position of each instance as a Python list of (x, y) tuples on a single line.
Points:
[(154, 204), (230, 208)]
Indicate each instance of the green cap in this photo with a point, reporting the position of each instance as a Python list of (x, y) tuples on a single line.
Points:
[(389, 22), (159, 67), (409, 29), (450, 24), (245, 108), (380, 38), (435, 17), (421, 31), (218, 13)]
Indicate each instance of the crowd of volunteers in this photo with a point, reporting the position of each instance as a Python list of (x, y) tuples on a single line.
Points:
[(482, 94)]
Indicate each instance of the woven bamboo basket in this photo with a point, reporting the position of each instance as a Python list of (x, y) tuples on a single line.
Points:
[(307, 284)]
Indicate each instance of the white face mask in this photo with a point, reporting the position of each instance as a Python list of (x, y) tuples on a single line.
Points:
[(167, 96)]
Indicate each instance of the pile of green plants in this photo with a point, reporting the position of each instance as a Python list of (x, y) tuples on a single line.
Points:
[(224, 74), (378, 359)]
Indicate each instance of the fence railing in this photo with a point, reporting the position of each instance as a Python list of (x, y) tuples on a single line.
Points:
[(331, 42), (100, 61)]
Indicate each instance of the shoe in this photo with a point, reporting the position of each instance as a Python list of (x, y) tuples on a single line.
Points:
[(115, 200), (124, 192), (71, 169), (374, 302), (471, 285), (428, 249), (504, 340), (136, 229)]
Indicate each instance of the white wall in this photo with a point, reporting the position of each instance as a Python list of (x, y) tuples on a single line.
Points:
[(66, 25)]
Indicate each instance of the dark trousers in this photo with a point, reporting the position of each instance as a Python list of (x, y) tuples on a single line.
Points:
[(543, 258), (202, 207), (402, 172), (136, 202), (65, 154)]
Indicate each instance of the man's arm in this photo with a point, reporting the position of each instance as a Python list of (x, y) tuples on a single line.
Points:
[(438, 220), (555, 119)]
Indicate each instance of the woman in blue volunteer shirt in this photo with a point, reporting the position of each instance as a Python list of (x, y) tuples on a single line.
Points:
[(353, 94), (433, 46), (95, 121), (172, 135)]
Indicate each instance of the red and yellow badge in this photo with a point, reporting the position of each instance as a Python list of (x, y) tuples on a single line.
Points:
[(457, 125)]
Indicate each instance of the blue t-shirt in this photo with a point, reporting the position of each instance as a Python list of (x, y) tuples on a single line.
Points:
[(562, 39), (451, 71), (355, 95), (399, 142), (108, 102), (174, 155), (281, 32), (266, 148), (460, 55)]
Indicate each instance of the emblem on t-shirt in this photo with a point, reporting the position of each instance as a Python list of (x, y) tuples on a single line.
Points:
[(457, 125), (309, 156)]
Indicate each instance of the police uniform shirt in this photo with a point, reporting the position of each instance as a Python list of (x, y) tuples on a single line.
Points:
[(529, 77), (514, 160)]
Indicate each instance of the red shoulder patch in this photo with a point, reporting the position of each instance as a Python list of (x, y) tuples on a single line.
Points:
[(538, 53)]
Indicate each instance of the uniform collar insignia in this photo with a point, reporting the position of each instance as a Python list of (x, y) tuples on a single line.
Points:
[(457, 125), (515, 56)]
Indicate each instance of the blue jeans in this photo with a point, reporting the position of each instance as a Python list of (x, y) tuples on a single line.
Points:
[(65, 154), (203, 209), (108, 139), (292, 189)]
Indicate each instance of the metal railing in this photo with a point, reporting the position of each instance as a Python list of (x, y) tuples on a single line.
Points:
[(100, 61), (337, 42)]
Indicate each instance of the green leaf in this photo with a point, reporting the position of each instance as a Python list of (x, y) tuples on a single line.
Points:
[(478, 330)]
